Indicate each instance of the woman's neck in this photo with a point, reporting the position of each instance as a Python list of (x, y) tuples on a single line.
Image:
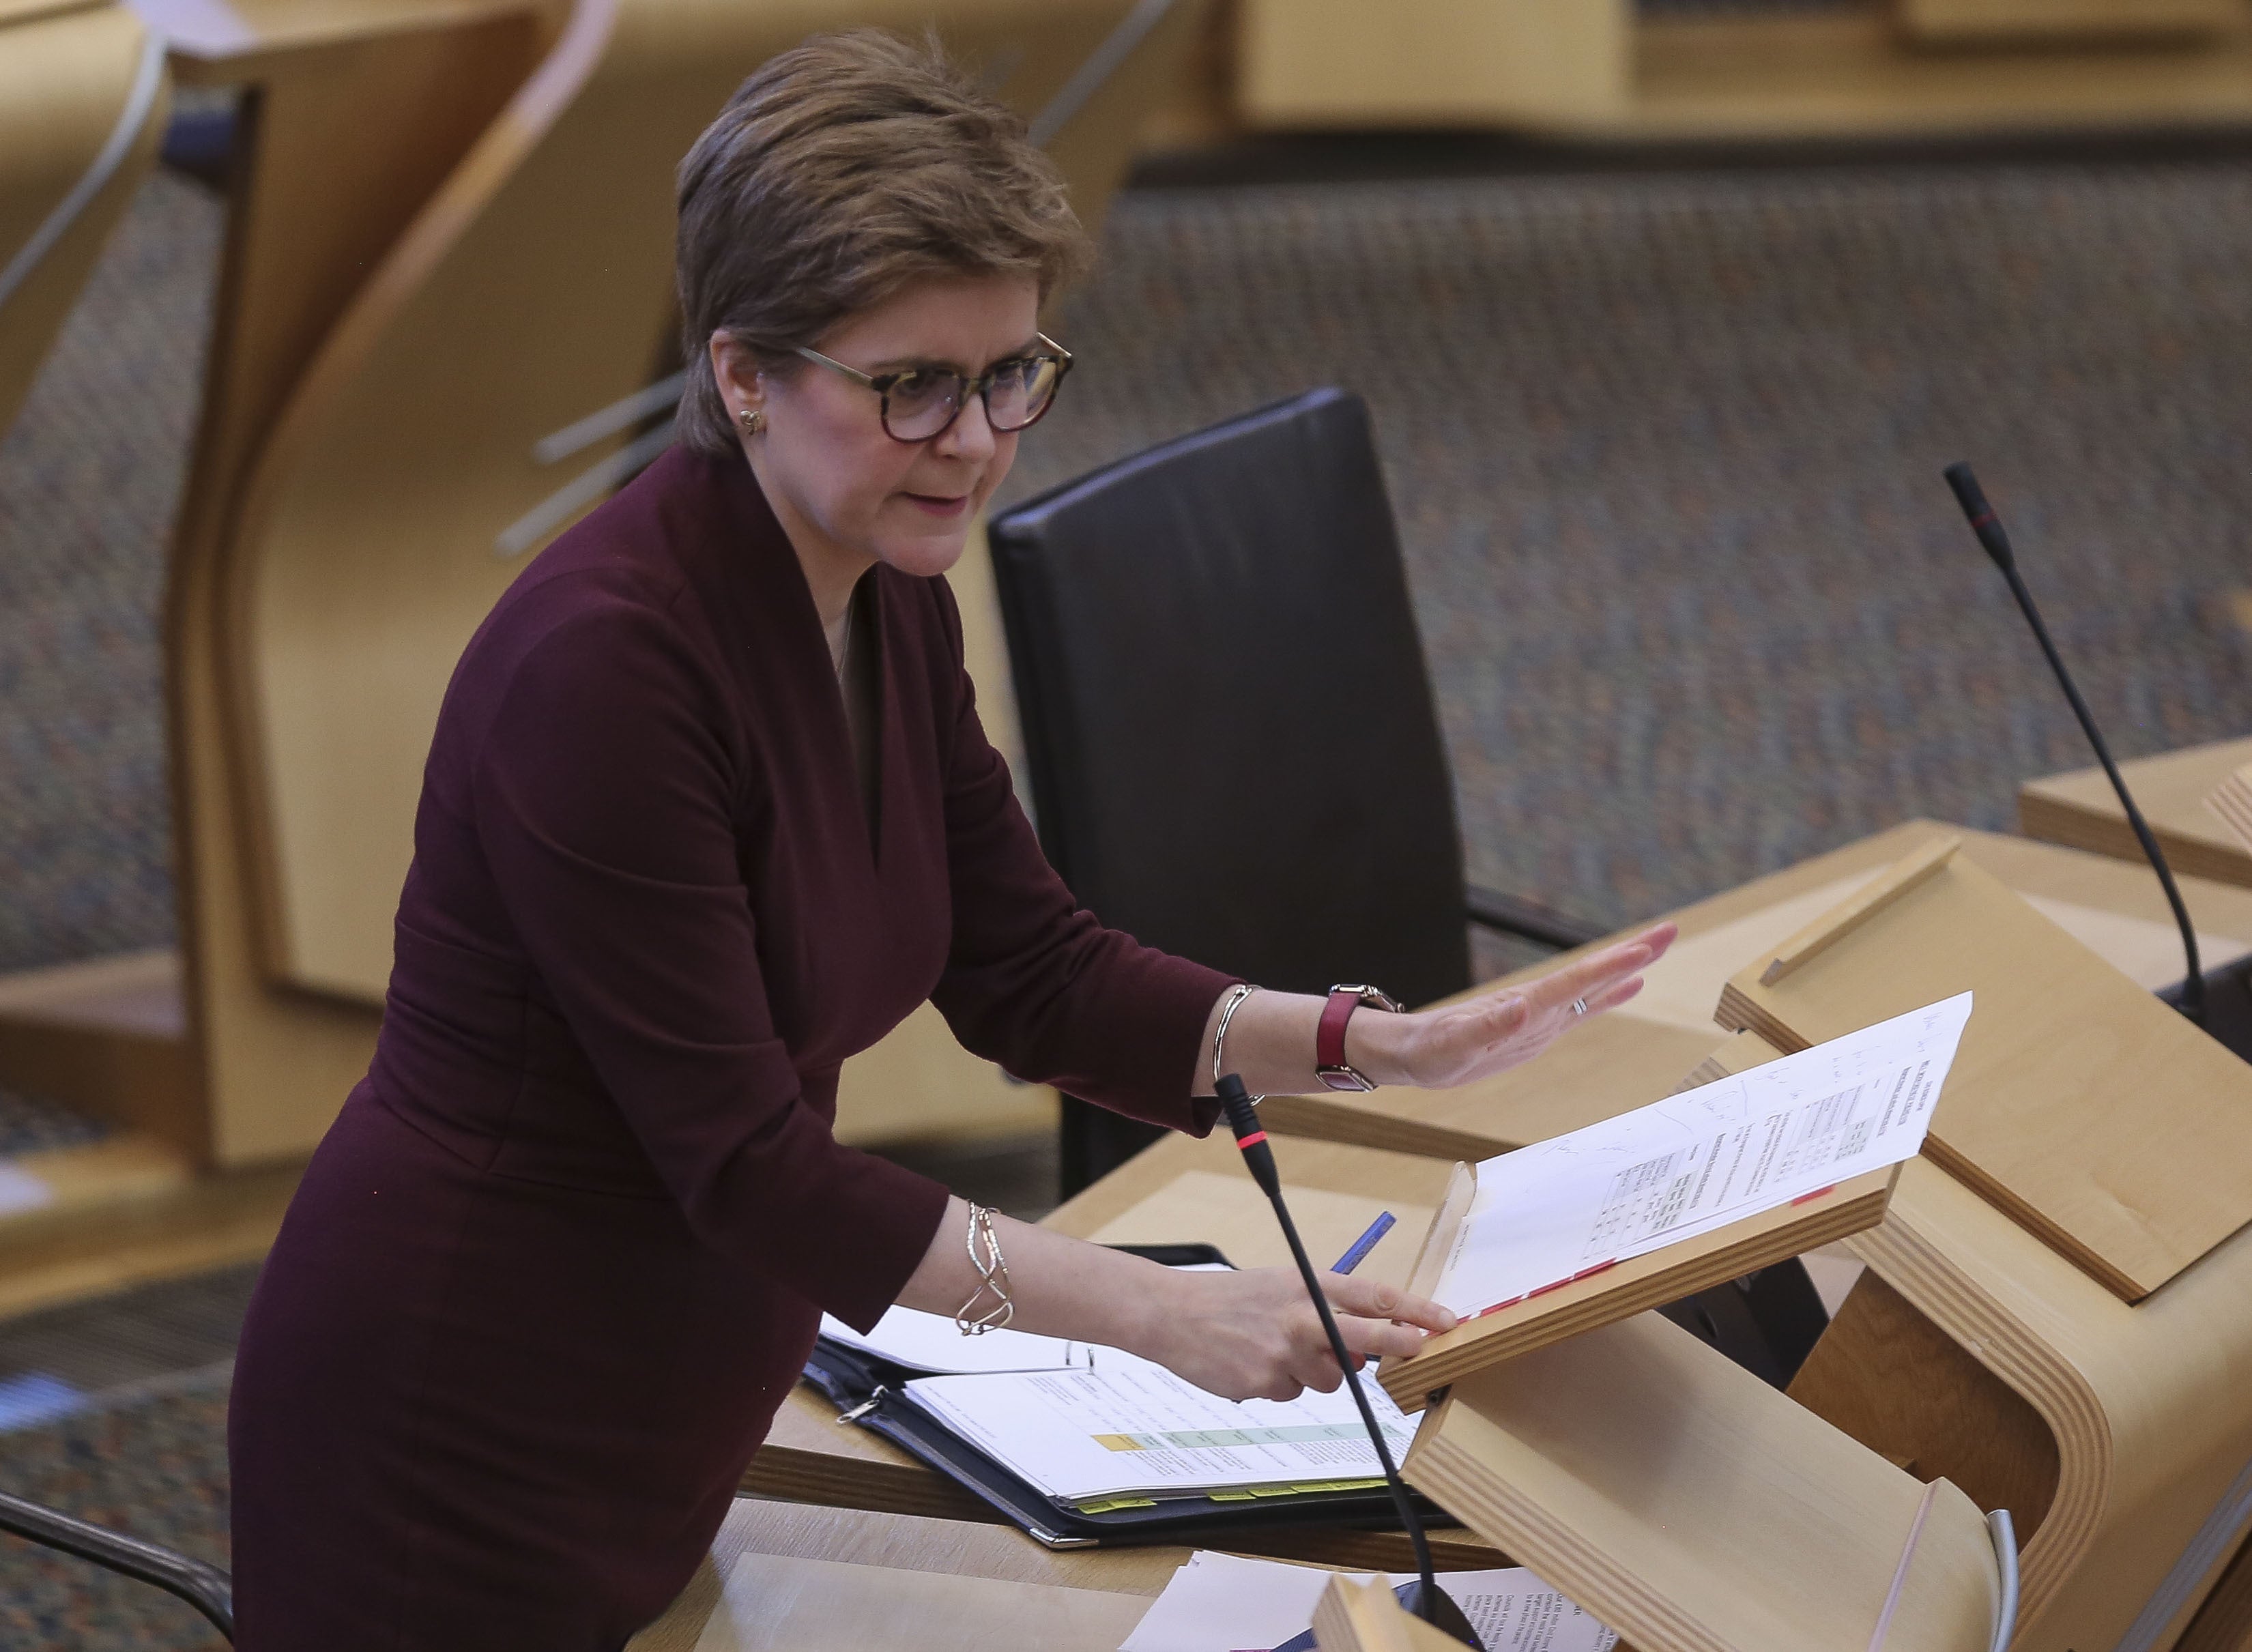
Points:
[(832, 571)]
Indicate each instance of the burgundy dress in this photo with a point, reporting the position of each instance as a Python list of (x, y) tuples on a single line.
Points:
[(565, 1251)]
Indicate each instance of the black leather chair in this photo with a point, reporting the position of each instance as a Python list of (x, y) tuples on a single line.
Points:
[(1229, 723), (1234, 755)]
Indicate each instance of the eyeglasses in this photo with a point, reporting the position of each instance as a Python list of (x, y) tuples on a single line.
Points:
[(923, 402)]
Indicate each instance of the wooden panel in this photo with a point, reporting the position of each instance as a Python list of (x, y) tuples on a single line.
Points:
[(2047, 20), (1634, 1056), (1846, 74), (1693, 1509), (873, 1562), (2079, 809), (107, 1035), (2078, 1102), (2232, 801), (2150, 1405), (1889, 1378), (1353, 1617), (1632, 1287), (1328, 63), (65, 76)]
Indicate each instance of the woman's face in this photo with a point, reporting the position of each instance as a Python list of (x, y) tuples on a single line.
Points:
[(846, 493)]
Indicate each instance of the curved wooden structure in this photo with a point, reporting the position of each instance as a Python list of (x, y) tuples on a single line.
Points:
[(451, 237), (1969, 1349), (69, 72)]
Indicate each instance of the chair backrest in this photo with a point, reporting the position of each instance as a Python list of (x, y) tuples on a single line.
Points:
[(1232, 745), (82, 102)]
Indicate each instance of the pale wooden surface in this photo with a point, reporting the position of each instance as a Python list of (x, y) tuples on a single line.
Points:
[(1354, 1617), (1331, 63), (65, 74), (2232, 801), (1693, 1509), (1853, 73), (2080, 1103), (1631, 1287), (1634, 1056), (1951, 21), (806, 1579), (2080, 809)]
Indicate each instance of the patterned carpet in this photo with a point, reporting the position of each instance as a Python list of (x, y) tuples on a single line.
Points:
[(1664, 451)]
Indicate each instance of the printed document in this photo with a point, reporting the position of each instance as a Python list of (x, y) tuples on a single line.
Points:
[(1692, 1163), (1130, 1429), (934, 1344), (1221, 1603)]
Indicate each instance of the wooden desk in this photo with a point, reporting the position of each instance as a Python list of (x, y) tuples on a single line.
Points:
[(2080, 808), (787, 1578), (1639, 1053), (1180, 1190), (1969, 1349)]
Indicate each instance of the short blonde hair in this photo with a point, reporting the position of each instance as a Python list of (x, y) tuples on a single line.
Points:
[(842, 171)]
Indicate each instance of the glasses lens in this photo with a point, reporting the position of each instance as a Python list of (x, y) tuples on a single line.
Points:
[(1021, 391), (919, 405)]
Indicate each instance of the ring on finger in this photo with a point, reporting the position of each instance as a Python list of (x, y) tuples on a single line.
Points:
[(1578, 1006)]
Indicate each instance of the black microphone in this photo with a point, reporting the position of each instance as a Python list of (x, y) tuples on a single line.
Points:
[(1424, 1597), (1992, 535)]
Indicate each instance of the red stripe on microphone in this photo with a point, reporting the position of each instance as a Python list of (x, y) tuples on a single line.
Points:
[(1253, 1140)]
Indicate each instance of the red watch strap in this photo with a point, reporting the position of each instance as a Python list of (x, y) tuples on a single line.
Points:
[(1329, 1036)]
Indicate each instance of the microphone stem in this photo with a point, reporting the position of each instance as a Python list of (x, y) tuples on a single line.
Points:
[(2193, 1002), (1392, 1480)]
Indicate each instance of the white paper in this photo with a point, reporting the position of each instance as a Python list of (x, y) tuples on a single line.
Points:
[(1130, 1427), (934, 1343), (1221, 1603), (1701, 1160)]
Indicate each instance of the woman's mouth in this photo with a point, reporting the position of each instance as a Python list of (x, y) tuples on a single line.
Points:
[(939, 504)]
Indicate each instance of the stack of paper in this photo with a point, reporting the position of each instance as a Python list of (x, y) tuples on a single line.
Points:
[(1221, 1603), (1126, 1431)]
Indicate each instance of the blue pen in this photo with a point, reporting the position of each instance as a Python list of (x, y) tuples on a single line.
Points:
[(1361, 1246)]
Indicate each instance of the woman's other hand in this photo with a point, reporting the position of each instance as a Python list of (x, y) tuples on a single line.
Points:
[(1461, 1043), (1254, 1334)]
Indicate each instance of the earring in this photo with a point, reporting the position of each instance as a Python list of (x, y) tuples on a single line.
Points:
[(753, 421)]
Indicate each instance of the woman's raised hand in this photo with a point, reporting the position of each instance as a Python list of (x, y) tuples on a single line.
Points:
[(1254, 1334), (1460, 1042)]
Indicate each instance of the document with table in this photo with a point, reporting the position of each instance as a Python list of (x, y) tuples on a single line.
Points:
[(1571, 1207)]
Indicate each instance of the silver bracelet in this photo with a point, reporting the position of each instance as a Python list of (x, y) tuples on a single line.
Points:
[(971, 1319), (1236, 995)]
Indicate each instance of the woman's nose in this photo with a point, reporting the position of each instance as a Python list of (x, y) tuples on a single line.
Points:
[(970, 435)]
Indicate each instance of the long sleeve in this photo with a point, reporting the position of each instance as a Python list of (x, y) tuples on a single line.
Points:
[(602, 792), (1036, 982)]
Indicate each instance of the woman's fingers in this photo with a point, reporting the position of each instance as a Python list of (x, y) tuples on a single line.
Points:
[(1370, 1299)]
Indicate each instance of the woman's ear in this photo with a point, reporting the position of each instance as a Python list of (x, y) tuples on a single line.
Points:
[(742, 386)]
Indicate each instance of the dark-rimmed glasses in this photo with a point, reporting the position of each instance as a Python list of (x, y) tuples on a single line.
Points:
[(919, 403)]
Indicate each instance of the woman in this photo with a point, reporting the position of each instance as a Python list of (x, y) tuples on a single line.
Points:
[(708, 809)]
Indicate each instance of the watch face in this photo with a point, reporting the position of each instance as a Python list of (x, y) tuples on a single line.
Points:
[(1344, 1079)]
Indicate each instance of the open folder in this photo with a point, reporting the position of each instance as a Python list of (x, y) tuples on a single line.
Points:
[(1078, 1443)]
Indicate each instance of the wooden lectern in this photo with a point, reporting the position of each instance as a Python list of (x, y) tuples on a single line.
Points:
[(2094, 1377)]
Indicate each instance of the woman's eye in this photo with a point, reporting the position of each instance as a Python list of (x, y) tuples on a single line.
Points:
[(921, 385)]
